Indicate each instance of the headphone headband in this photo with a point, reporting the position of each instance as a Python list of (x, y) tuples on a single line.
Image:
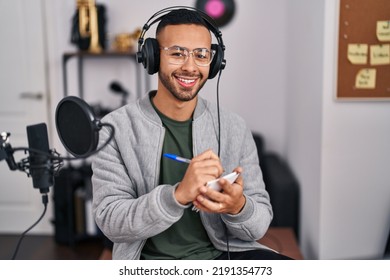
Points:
[(149, 56)]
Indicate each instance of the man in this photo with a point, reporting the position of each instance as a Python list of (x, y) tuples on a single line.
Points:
[(143, 201)]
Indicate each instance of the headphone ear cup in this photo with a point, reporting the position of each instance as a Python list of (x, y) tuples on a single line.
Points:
[(150, 54), (217, 63)]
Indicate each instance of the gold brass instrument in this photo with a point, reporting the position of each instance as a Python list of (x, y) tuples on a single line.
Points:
[(88, 23), (125, 42)]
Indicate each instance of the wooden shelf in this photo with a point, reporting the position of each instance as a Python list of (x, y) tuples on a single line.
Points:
[(82, 55)]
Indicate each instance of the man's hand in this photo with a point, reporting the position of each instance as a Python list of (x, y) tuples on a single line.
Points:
[(202, 168), (229, 200)]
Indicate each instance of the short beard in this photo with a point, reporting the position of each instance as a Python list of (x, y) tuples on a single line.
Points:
[(184, 95)]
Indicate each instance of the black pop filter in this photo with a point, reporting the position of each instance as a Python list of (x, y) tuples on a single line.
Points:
[(77, 126)]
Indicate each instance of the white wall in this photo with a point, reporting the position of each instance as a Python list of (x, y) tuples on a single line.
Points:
[(339, 150), (280, 77), (355, 167), (304, 93)]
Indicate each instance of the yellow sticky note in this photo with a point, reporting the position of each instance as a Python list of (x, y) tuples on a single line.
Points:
[(366, 78), (380, 54), (358, 53), (383, 30)]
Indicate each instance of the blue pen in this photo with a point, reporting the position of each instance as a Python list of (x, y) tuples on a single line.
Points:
[(177, 158)]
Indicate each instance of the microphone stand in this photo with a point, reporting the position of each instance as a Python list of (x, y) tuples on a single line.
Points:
[(52, 162), (6, 152)]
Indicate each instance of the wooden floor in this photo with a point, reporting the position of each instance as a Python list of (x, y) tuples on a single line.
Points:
[(35, 247), (283, 240)]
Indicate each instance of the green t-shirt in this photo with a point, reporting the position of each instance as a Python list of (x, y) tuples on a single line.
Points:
[(187, 238)]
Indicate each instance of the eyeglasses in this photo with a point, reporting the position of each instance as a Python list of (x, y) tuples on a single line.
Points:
[(179, 55)]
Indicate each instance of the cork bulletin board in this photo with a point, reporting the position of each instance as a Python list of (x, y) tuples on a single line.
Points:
[(364, 50)]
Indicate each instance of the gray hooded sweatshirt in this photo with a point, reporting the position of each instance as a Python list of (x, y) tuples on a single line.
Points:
[(129, 205)]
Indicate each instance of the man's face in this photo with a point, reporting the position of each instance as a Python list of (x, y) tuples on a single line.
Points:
[(183, 81)]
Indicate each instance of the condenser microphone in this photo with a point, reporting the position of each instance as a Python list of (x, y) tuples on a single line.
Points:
[(78, 128), (41, 169)]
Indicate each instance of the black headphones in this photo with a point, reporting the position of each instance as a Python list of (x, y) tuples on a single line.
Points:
[(149, 51)]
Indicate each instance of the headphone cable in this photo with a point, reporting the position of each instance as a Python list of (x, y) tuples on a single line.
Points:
[(219, 116), (219, 154)]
